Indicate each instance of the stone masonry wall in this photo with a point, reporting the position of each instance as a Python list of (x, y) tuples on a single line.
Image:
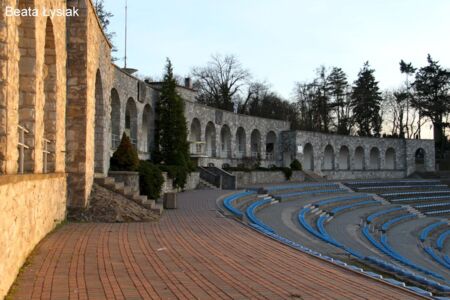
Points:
[(89, 75), (30, 207), (245, 179)]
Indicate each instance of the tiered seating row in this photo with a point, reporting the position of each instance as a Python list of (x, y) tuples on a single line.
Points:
[(416, 193), (389, 182), (313, 192), (299, 186), (432, 205), (389, 223), (426, 231), (250, 213), (441, 239), (382, 212), (390, 187), (420, 198), (228, 202)]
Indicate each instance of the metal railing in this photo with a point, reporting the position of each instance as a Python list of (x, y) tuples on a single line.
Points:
[(46, 153), (22, 146)]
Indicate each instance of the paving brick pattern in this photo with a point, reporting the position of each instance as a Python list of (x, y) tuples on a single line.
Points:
[(192, 253)]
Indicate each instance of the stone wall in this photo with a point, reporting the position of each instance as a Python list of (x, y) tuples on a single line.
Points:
[(191, 183), (130, 179), (30, 207), (353, 157), (245, 179), (90, 78)]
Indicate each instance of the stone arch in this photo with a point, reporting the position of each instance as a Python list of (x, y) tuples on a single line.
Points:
[(359, 158), (255, 140), (115, 119), (225, 141), (374, 159), (344, 158), (271, 142), (308, 157), (131, 120), (147, 134), (195, 135), (27, 86), (99, 123), (328, 158), (419, 159), (389, 159), (195, 132), (241, 142), (50, 100), (210, 139)]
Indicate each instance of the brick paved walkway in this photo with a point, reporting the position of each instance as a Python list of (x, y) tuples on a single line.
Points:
[(191, 253)]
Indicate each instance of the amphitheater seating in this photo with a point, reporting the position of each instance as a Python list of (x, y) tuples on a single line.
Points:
[(415, 199), (436, 257), (313, 192), (300, 186), (426, 231), (389, 223), (353, 205), (382, 212), (228, 202), (250, 213), (441, 239), (342, 199), (437, 212), (431, 205)]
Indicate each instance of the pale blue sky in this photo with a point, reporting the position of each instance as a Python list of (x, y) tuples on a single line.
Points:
[(284, 41)]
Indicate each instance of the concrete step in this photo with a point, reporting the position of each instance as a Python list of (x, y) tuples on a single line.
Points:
[(104, 181), (119, 187), (157, 209), (206, 185)]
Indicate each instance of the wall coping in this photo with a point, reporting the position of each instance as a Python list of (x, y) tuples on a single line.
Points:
[(123, 173), (18, 178)]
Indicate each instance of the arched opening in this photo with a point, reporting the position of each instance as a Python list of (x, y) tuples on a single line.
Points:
[(195, 134), (225, 141), (344, 158), (115, 119), (241, 142), (255, 140), (359, 158), (374, 159), (50, 100), (419, 160), (147, 121), (99, 123), (389, 159), (328, 158), (210, 138), (131, 121), (27, 89), (308, 157), (271, 142)]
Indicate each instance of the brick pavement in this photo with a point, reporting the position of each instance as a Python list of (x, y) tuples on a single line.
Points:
[(191, 253)]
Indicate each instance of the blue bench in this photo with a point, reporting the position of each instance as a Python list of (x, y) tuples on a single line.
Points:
[(250, 213), (288, 195), (389, 223), (294, 186), (437, 212), (446, 191), (426, 231), (386, 187), (228, 203), (436, 257), (421, 198), (390, 181), (341, 199), (441, 239), (432, 205), (382, 212), (349, 206)]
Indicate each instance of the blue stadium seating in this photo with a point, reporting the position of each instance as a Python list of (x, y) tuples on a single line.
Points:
[(388, 224), (228, 203), (382, 212), (299, 186), (426, 231), (441, 239), (313, 192), (250, 213)]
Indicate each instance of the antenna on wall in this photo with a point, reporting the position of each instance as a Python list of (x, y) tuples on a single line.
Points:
[(126, 21)]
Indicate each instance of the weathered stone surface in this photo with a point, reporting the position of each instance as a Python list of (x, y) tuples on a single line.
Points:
[(245, 179), (30, 207)]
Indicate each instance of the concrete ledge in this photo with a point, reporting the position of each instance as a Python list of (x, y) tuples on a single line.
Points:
[(17, 178)]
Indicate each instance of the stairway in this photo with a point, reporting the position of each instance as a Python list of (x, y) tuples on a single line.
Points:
[(205, 185), (120, 188)]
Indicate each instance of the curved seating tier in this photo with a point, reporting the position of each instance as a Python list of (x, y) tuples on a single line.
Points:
[(228, 202), (447, 191), (250, 213), (300, 186), (381, 213), (311, 192), (391, 222), (441, 239), (426, 231)]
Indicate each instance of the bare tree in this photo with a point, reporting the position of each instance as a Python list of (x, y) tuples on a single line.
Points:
[(221, 81)]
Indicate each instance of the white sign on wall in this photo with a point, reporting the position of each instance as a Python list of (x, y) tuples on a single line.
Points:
[(300, 149)]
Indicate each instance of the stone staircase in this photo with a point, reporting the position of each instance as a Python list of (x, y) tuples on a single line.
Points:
[(205, 185), (120, 188)]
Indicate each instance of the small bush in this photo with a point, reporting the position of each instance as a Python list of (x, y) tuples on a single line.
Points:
[(150, 180), (125, 158), (296, 165), (287, 172), (177, 173)]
